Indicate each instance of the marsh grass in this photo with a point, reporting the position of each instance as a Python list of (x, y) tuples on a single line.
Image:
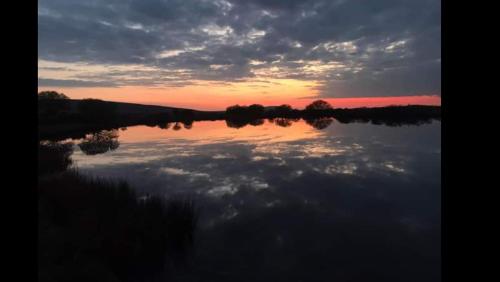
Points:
[(94, 229)]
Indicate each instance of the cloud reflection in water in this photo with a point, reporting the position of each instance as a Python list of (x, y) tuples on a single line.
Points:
[(349, 193)]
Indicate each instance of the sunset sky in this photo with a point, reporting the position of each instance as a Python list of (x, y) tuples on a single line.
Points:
[(212, 54)]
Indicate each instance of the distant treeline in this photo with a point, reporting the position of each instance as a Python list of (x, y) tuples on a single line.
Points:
[(60, 115), (395, 115), (316, 108)]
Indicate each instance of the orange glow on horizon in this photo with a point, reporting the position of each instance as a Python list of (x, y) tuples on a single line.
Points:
[(216, 96), (431, 100)]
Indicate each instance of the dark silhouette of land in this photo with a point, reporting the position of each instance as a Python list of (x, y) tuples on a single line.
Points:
[(63, 117), (92, 229)]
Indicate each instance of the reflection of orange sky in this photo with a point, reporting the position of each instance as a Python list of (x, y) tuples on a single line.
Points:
[(211, 96), (210, 131)]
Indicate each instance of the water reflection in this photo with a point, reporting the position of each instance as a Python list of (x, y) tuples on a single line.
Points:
[(100, 142), (177, 125), (188, 124), (319, 123), (209, 131), (283, 122), (243, 123), (291, 200)]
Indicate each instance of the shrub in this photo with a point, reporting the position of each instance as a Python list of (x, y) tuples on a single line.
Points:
[(318, 105)]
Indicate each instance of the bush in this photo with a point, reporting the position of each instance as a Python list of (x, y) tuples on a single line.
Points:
[(253, 111), (86, 221), (51, 104), (319, 105), (256, 110), (51, 95), (283, 109), (100, 142), (54, 157)]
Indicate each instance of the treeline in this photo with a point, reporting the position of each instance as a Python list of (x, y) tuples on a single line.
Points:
[(391, 115), (60, 116), (321, 108), (255, 111)]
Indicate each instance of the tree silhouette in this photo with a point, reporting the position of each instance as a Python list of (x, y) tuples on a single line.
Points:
[(243, 112), (319, 105), (100, 142), (51, 95), (282, 110), (52, 103), (234, 109), (256, 110)]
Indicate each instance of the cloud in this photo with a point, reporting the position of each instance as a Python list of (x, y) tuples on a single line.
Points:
[(351, 47), (47, 82)]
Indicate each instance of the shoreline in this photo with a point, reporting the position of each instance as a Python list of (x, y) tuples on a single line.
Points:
[(76, 126)]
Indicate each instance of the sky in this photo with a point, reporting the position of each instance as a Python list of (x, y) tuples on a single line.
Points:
[(211, 54)]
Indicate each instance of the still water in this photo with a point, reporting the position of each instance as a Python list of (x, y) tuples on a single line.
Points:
[(290, 200)]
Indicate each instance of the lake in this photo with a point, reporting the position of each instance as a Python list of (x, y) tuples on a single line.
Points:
[(289, 200)]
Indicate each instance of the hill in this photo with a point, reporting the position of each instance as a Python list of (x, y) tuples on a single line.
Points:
[(74, 118)]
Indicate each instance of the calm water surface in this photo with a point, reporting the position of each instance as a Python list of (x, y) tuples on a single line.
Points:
[(292, 202)]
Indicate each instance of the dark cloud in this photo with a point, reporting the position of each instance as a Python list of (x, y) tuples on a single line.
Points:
[(47, 82), (352, 47)]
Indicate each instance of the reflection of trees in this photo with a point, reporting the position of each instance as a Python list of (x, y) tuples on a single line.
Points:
[(177, 126), (100, 142), (284, 122), (164, 125), (394, 122), (391, 116), (188, 124), (319, 123), (257, 122), (239, 123), (236, 123)]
